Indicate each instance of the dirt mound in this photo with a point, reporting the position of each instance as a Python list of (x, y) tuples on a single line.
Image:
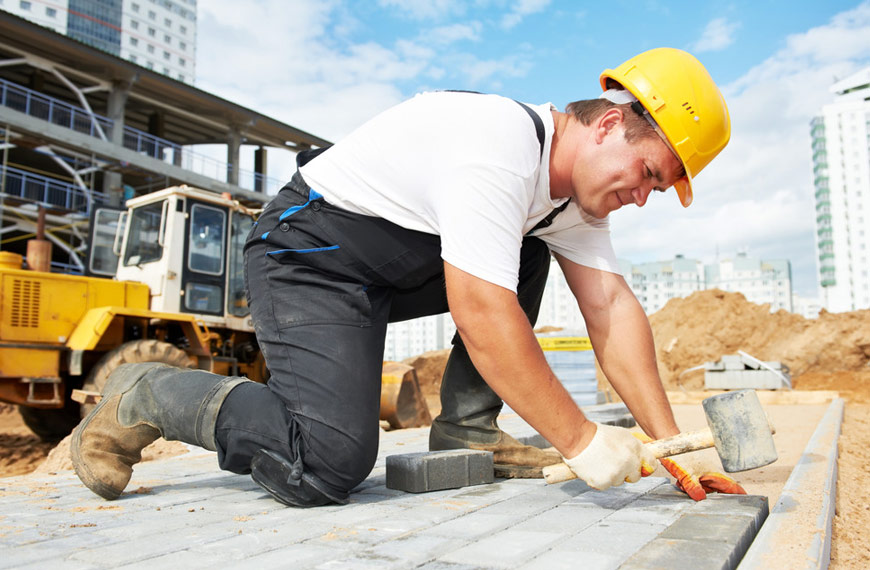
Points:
[(429, 367), (706, 325)]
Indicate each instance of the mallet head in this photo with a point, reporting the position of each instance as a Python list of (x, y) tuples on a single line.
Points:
[(741, 430)]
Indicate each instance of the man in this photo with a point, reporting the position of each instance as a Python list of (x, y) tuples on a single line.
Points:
[(450, 200)]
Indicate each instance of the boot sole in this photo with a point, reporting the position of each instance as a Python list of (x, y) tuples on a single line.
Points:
[(505, 471), (114, 387)]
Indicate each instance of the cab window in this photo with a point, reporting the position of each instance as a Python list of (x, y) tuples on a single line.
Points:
[(143, 245), (206, 247)]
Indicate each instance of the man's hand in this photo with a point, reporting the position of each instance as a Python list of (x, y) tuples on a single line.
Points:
[(696, 480), (612, 458)]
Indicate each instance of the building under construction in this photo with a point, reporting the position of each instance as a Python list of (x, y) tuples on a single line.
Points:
[(80, 128)]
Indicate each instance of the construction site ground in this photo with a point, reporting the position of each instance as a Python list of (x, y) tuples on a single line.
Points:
[(181, 510)]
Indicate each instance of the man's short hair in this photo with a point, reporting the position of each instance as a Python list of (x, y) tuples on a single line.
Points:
[(587, 111)]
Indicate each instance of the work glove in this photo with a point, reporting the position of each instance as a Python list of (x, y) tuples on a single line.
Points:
[(694, 479), (612, 458)]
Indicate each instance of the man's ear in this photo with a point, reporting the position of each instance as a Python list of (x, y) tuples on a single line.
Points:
[(607, 123)]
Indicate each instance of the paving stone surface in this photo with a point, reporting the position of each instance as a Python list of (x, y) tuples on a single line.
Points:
[(185, 512)]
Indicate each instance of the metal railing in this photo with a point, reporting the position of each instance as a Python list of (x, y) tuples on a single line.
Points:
[(50, 109), (78, 119), (49, 191)]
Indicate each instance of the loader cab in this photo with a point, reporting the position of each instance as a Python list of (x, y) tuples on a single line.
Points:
[(186, 245)]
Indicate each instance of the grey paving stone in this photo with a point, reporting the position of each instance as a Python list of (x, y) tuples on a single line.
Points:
[(650, 510), (532, 503), (506, 549), (733, 529), (471, 526), (416, 549), (668, 554), (436, 470), (554, 560), (292, 556), (618, 540), (567, 519)]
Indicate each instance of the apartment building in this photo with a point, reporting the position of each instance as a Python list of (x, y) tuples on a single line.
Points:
[(841, 176), (159, 35)]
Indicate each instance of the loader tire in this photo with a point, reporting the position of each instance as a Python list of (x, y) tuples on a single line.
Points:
[(51, 425), (133, 352)]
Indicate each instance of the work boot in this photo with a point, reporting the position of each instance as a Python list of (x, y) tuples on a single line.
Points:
[(468, 420), (142, 402)]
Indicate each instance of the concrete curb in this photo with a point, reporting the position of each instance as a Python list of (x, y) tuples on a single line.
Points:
[(797, 533)]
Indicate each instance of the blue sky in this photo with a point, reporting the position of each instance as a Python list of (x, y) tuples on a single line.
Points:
[(326, 66)]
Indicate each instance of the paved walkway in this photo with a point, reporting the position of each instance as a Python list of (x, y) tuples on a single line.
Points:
[(184, 512)]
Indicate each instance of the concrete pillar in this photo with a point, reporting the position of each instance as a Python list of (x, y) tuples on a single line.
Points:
[(234, 145), (260, 169), (117, 103)]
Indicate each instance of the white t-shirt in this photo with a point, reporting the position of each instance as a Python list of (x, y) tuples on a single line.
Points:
[(466, 167)]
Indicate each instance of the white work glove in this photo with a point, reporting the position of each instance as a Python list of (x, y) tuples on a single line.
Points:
[(613, 457)]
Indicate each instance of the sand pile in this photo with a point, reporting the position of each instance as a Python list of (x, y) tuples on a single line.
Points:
[(709, 324)]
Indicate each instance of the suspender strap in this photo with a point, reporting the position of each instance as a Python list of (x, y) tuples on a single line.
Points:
[(539, 126)]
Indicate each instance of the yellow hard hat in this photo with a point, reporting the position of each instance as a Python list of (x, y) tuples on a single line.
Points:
[(684, 101)]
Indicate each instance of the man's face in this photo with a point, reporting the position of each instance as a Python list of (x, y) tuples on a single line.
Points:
[(617, 172)]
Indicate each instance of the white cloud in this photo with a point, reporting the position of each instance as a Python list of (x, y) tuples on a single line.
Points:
[(759, 191), (718, 35), (520, 10), (444, 35)]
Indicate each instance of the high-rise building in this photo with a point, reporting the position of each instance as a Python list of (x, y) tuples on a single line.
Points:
[(760, 281), (841, 171), (157, 34)]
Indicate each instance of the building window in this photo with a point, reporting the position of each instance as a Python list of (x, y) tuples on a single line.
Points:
[(134, 24), (150, 65), (152, 32), (134, 41), (24, 5), (180, 77), (166, 71), (183, 29), (167, 38), (167, 22), (150, 48), (152, 15), (132, 58), (182, 62), (51, 12), (166, 55), (135, 7), (182, 45)]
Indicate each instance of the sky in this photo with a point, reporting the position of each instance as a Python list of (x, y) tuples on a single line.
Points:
[(326, 66)]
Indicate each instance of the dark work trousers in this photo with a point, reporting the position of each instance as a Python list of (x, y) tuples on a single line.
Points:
[(322, 285)]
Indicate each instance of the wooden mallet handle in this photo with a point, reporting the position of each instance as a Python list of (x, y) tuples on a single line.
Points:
[(680, 443)]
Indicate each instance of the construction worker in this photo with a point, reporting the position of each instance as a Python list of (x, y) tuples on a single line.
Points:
[(451, 200)]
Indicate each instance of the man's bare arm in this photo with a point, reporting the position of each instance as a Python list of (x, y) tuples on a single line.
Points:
[(503, 348), (623, 343)]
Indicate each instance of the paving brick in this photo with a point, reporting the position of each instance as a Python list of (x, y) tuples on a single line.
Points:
[(436, 470), (554, 560), (417, 549), (650, 510), (566, 519), (735, 531), (530, 503), (294, 555), (667, 554), (618, 540), (471, 526), (505, 550)]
